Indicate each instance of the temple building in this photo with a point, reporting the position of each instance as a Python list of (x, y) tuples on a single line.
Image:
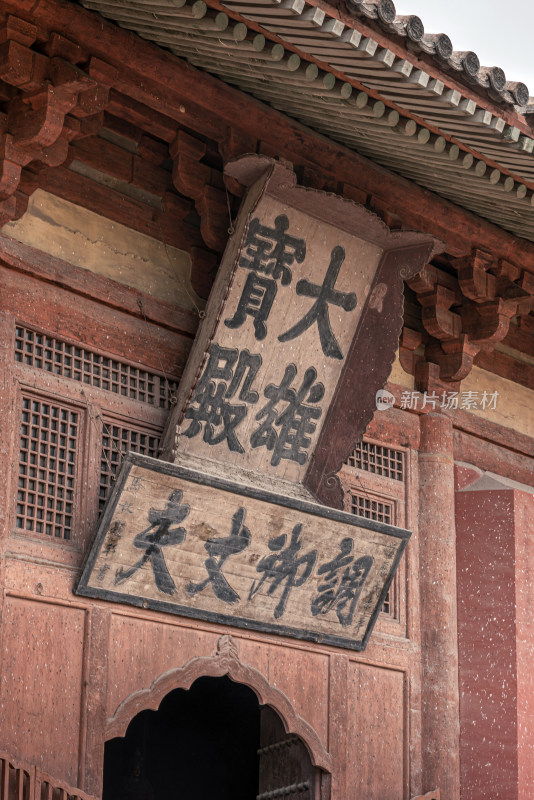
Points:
[(267, 407)]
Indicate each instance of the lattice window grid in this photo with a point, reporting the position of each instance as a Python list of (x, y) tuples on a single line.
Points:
[(81, 364), (378, 460), (47, 468), (379, 510), (117, 440)]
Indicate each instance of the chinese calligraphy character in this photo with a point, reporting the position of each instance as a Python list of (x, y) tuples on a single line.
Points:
[(318, 313), (270, 251), (343, 582), (256, 300), (135, 484), (219, 383), (294, 421), (159, 534), (283, 565), (218, 551)]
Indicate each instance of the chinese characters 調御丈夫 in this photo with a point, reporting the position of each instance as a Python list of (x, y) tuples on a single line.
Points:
[(285, 568)]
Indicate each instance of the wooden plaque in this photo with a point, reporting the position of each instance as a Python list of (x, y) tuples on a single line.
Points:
[(301, 329), (186, 542)]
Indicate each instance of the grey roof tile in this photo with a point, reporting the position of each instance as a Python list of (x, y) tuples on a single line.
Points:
[(465, 65)]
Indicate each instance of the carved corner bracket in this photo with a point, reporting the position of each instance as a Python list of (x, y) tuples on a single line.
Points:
[(463, 317), (210, 192), (49, 101)]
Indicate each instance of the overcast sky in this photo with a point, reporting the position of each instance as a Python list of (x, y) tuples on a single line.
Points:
[(501, 32)]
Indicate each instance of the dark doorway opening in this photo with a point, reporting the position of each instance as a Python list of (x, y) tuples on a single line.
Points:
[(210, 742), (201, 744)]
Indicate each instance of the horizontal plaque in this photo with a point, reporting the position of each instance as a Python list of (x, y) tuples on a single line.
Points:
[(182, 541)]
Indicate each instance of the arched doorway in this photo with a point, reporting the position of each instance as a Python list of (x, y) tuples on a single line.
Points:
[(211, 742)]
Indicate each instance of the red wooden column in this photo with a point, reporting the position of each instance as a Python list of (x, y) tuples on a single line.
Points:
[(496, 639), (437, 542)]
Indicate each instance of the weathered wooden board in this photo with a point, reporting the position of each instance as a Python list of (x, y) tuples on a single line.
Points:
[(186, 542), (304, 276), (271, 336)]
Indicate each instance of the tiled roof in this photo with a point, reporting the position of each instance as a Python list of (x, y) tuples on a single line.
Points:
[(463, 64), (327, 70)]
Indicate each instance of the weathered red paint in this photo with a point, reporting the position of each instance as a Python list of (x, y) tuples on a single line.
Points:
[(437, 576), (495, 596)]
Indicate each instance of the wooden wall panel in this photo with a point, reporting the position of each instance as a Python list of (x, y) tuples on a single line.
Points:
[(299, 674), (41, 686), (338, 740), (115, 333), (254, 653), (144, 649), (487, 644), (376, 747)]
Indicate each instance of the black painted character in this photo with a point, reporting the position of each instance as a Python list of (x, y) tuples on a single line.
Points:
[(283, 565), (318, 313), (219, 383), (288, 411), (159, 534), (268, 254), (218, 551), (344, 578)]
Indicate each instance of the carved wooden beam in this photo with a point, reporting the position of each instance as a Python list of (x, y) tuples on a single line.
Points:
[(204, 185), (50, 102), (483, 278), (475, 281), (410, 340), (438, 319), (466, 317), (487, 323), (454, 357)]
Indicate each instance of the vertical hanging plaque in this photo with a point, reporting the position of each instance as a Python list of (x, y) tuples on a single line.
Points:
[(300, 332)]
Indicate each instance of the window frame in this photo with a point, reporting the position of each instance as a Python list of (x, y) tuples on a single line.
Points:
[(50, 309), (395, 492)]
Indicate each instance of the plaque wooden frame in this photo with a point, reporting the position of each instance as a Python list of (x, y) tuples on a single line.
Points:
[(86, 585), (372, 350)]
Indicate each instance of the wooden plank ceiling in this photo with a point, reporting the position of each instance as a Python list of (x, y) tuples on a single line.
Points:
[(471, 146)]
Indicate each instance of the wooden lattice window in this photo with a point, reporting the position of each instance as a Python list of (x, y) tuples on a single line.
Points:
[(117, 440), (35, 349), (49, 442), (378, 460), (81, 412), (375, 479), (380, 510)]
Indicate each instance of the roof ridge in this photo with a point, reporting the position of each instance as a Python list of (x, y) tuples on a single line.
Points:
[(490, 78)]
